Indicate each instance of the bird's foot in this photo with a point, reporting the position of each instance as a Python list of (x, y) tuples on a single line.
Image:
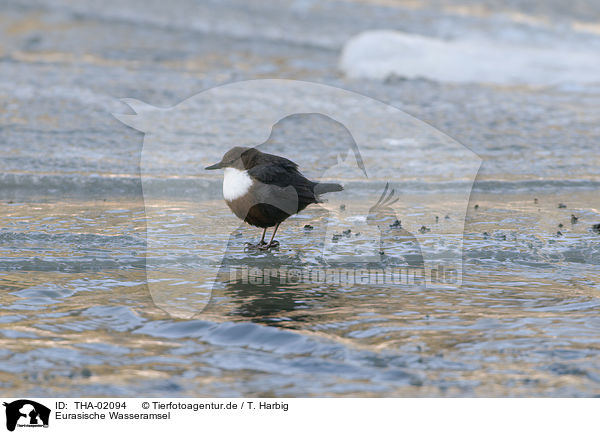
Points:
[(258, 245), (272, 245)]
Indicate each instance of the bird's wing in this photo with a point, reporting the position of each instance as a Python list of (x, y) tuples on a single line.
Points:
[(284, 176), (283, 198), (276, 160), (272, 174)]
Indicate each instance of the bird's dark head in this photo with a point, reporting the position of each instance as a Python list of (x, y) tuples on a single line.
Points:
[(238, 158)]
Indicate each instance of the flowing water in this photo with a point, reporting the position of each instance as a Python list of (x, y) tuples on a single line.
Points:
[(77, 313)]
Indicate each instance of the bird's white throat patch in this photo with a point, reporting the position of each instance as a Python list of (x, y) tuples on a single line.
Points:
[(236, 183)]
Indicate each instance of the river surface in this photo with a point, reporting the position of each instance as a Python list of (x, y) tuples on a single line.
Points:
[(79, 315)]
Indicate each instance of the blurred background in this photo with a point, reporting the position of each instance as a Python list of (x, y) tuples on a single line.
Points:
[(516, 81)]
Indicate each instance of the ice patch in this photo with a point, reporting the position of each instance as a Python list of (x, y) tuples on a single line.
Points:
[(382, 54)]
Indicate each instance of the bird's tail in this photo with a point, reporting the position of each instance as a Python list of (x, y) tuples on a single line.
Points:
[(327, 187)]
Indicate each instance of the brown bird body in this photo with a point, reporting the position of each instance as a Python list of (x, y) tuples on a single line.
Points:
[(264, 189)]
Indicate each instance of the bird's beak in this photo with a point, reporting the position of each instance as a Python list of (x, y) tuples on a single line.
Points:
[(218, 165)]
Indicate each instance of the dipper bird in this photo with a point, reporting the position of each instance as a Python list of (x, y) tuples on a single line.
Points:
[(264, 189)]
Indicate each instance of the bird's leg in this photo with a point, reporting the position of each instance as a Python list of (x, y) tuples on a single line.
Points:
[(260, 243), (272, 242), (262, 239)]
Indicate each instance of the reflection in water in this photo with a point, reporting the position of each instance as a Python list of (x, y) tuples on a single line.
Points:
[(274, 302)]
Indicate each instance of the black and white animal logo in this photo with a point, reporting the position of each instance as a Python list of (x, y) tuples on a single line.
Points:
[(26, 413)]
